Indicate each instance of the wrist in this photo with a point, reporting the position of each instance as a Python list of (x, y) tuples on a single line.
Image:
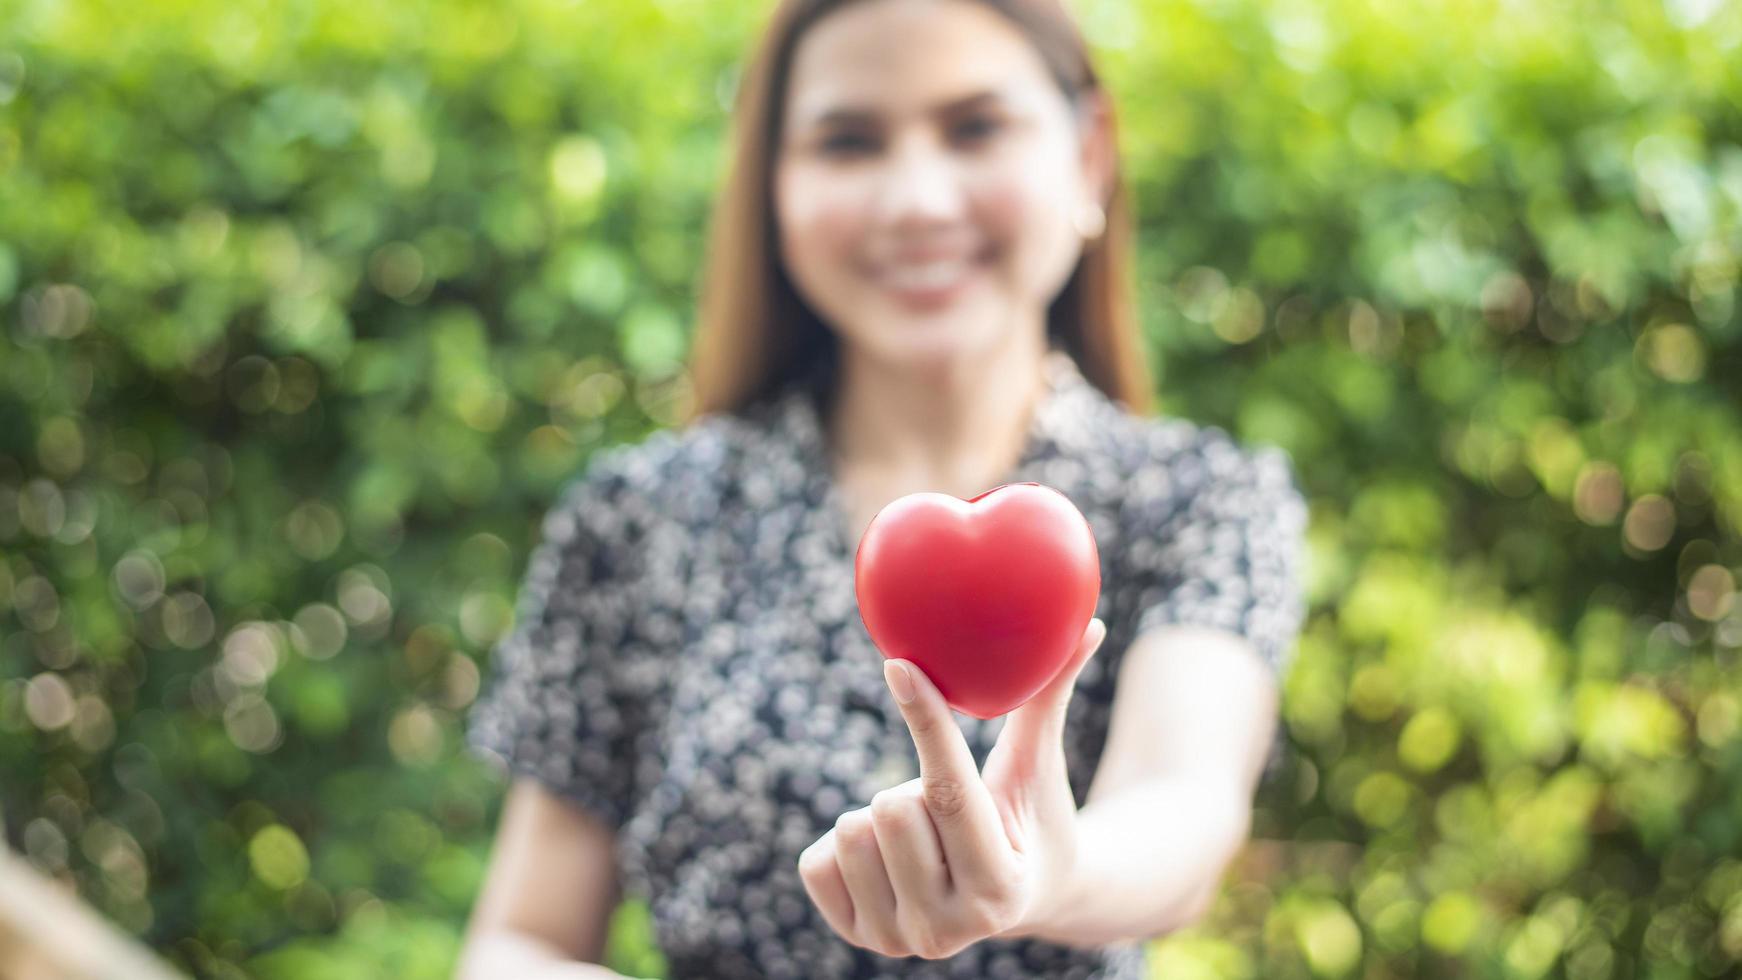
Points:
[(1045, 913)]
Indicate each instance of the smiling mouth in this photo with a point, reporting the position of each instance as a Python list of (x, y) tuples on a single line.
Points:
[(930, 283)]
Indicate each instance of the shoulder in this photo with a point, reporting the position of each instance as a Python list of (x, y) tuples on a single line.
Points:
[(702, 450), (1167, 464), (667, 474), (1186, 451), (1197, 454)]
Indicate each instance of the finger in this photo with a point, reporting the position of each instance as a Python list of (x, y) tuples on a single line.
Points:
[(867, 880), (911, 851), (1036, 728), (968, 826), (821, 875)]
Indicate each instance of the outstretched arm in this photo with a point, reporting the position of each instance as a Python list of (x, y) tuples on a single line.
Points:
[(547, 902), (1171, 803)]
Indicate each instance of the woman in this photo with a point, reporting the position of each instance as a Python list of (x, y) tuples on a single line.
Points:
[(916, 280)]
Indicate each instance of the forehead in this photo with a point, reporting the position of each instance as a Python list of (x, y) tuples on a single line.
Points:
[(894, 56)]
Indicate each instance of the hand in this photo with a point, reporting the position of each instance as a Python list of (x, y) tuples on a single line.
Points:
[(956, 856)]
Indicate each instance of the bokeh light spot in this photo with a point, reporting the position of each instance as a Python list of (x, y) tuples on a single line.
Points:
[(1650, 523), (278, 857), (1711, 592)]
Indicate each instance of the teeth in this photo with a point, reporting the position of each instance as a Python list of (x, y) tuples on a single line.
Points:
[(929, 276)]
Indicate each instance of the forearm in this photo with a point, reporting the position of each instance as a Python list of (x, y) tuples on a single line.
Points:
[(1150, 859), (508, 954)]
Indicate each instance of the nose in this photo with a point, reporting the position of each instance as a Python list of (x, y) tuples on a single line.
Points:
[(922, 185)]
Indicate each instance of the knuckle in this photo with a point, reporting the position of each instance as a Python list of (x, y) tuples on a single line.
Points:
[(882, 802), (945, 796), (851, 826), (890, 809), (880, 942), (927, 942), (939, 953), (814, 861), (930, 949)]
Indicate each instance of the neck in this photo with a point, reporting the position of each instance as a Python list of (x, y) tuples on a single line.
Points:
[(950, 428)]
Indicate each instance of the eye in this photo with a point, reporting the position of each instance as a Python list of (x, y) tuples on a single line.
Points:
[(846, 144), (978, 128)]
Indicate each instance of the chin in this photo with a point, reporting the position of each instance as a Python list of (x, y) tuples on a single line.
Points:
[(932, 347)]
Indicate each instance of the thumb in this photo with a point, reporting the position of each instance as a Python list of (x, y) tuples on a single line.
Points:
[(1038, 724)]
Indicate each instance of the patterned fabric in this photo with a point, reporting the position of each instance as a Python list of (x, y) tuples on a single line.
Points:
[(689, 665)]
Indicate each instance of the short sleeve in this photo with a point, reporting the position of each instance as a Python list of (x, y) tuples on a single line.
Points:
[(558, 707), (1229, 554)]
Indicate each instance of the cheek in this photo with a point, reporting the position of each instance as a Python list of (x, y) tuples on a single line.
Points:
[(1009, 207), (1024, 214), (820, 220)]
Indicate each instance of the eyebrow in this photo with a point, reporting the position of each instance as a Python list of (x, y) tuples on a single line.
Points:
[(847, 114)]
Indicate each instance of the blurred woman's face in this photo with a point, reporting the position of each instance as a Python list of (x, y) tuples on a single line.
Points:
[(926, 180)]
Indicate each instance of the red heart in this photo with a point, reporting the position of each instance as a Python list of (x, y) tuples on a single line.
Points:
[(989, 596)]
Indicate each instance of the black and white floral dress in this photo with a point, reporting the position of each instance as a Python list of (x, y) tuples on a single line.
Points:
[(688, 662)]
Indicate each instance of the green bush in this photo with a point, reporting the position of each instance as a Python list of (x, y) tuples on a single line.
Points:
[(309, 309)]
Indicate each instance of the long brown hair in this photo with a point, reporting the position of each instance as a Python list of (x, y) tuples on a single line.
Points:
[(755, 333)]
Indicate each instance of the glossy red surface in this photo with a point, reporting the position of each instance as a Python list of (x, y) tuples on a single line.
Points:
[(989, 596)]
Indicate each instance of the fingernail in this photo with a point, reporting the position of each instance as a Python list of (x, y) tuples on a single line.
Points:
[(1100, 632), (899, 680)]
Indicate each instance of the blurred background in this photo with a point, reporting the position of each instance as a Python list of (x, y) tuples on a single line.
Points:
[(308, 309)]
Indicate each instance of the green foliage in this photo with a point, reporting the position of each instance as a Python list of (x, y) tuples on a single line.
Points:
[(309, 310)]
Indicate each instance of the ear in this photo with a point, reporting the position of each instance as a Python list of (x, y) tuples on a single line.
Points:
[(1098, 144)]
